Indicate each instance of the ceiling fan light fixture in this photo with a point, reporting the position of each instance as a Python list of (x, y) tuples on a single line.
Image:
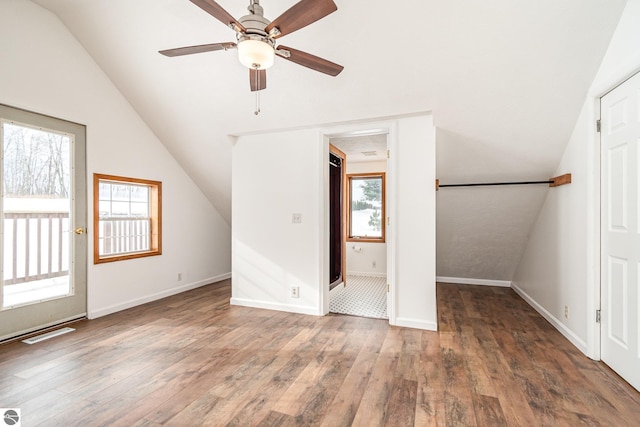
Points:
[(256, 54)]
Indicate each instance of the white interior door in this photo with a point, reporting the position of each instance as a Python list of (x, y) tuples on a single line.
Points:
[(620, 228), (43, 245)]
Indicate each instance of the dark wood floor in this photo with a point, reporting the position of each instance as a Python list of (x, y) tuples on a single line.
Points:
[(193, 360)]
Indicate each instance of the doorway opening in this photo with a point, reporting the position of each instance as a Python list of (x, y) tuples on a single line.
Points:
[(337, 174), (362, 289)]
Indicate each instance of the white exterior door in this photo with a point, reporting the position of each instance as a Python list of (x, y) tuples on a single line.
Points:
[(43, 245), (620, 228)]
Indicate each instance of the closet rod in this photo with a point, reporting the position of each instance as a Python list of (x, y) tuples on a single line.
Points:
[(553, 182), (497, 183)]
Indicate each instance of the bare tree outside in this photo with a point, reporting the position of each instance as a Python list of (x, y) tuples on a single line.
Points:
[(36, 163)]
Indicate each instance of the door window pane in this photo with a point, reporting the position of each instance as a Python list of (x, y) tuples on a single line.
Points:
[(36, 208)]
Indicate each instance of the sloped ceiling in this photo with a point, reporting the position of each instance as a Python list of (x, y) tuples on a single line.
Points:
[(505, 79)]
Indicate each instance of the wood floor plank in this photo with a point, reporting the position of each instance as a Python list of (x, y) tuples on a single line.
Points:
[(192, 359), (476, 365), (195, 413), (515, 404), (254, 402), (290, 403), (277, 419), (374, 402), (294, 357), (457, 390), (321, 366), (347, 401), (324, 392), (488, 411), (401, 409), (430, 409)]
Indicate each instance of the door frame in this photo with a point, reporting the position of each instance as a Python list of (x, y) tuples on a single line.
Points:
[(594, 200), (388, 127)]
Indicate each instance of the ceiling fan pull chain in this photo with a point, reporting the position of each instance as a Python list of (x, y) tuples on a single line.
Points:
[(257, 103), (257, 73)]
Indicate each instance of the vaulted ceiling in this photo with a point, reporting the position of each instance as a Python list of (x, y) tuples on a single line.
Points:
[(505, 79)]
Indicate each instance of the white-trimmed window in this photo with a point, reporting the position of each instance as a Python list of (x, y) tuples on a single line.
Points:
[(127, 218)]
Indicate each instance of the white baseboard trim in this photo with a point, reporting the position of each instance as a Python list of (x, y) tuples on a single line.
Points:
[(289, 308), (561, 327), (416, 324), (103, 311), (480, 282), (365, 274)]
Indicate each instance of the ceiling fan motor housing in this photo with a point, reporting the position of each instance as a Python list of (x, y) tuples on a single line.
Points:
[(255, 22)]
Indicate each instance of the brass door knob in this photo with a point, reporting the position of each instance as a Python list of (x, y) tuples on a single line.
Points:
[(80, 230)]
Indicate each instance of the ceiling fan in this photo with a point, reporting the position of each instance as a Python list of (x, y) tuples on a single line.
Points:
[(256, 37)]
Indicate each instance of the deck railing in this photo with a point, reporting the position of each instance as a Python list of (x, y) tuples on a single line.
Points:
[(124, 235), (36, 246)]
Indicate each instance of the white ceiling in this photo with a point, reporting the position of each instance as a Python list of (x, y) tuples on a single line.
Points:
[(505, 79), (364, 148)]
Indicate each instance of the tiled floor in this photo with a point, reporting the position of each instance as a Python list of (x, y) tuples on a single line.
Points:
[(363, 296)]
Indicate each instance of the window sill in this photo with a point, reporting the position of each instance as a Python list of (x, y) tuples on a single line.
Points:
[(365, 240), (103, 260)]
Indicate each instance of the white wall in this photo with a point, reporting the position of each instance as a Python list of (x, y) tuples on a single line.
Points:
[(561, 262), (362, 255), (278, 174), (274, 176), (413, 223), (44, 69), (482, 231), (552, 271)]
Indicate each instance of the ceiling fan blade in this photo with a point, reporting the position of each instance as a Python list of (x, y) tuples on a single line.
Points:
[(257, 79), (179, 51), (215, 10), (311, 61), (300, 15)]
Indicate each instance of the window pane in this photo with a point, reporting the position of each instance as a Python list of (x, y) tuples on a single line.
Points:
[(139, 194), (104, 208), (35, 163), (120, 192), (36, 207), (366, 207), (140, 209), (105, 191), (120, 209)]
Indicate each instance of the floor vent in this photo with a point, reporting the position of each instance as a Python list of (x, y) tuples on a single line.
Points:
[(48, 335)]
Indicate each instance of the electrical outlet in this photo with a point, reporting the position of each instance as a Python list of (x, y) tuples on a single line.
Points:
[(296, 218), (179, 277), (295, 292), (566, 311)]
